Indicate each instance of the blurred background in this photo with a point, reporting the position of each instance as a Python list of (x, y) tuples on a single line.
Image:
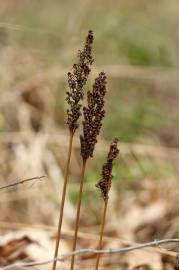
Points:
[(136, 43)]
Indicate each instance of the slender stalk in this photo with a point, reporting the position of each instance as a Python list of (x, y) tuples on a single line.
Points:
[(58, 238), (104, 185), (22, 182), (101, 233), (78, 211)]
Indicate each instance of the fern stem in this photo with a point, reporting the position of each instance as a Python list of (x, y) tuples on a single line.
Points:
[(101, 233), (78, 211), (66, 174)]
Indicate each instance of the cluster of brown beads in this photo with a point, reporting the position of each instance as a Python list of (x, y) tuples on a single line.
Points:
[(105, 183), (93, 115), (76, 81)]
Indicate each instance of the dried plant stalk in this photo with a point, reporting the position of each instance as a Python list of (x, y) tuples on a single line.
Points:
[(101, 232), (78, 210), (20, 182), (58, 237), (76, 81), (104, 185), (93, 115)]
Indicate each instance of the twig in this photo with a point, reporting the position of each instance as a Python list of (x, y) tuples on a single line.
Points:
[(22, 182), (155, 243)]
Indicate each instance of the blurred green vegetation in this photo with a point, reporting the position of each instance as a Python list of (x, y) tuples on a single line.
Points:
[(140, 33)]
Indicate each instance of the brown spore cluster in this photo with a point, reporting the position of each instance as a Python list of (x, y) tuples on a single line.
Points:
[(93, 114), (105, 183), (76, 81)]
